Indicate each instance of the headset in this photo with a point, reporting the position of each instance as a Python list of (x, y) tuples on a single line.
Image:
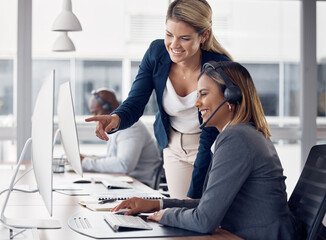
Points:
[(232, 92), (107, 107)]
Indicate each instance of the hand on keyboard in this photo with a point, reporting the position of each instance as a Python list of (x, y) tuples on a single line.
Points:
[(136, 205)]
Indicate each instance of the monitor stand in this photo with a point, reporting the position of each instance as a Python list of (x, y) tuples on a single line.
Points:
[(25, 223), (6, 233), (32, 223)]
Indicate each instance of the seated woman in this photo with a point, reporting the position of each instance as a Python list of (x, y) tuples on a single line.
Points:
[(244, 189)]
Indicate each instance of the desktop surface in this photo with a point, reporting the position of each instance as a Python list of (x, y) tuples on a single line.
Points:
[(23, 205)]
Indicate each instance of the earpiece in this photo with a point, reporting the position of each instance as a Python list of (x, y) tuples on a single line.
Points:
[(232, 92), (107, 107)]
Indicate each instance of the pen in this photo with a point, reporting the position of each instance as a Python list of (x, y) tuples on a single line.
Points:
[(106, 201)]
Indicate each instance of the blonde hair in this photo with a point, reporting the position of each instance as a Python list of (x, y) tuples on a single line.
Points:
[(250, 108), (198, 14)]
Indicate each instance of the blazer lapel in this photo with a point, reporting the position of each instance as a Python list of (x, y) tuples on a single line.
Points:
[(164, 66)]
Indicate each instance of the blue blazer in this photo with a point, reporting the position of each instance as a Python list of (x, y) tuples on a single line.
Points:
[(153, 74)]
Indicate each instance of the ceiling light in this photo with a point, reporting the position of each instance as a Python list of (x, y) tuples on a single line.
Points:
[(67, 20), (63, 43)]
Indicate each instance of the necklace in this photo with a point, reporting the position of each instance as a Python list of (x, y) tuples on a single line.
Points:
[(184, 75)]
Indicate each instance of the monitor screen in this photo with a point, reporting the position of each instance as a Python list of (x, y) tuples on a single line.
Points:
[(42, 140), (67, 127), (42, 155)]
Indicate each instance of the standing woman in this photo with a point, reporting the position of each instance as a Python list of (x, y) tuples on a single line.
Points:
[(171, 67)]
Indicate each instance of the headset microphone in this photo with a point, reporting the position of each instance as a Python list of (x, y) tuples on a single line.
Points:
[(204, 124)]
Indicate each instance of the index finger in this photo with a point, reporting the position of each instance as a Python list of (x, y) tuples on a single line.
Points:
[(118, 207), (94, 118)]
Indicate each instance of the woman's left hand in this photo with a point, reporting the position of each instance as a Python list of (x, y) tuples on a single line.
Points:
[(157, 216)]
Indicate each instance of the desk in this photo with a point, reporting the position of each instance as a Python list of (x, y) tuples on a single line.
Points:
[(30, 205)]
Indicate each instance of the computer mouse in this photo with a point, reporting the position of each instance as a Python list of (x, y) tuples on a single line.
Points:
[(122, 211), (82, 181)]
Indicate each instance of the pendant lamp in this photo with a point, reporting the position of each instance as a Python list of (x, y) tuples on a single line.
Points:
[(67, 20), (63, 43)]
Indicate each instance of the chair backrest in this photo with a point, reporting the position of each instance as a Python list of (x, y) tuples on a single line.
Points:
[(158, 174), (321, 233), (159, 170), (307, 202)]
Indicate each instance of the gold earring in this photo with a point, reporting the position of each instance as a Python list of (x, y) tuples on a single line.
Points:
[(230, 108)]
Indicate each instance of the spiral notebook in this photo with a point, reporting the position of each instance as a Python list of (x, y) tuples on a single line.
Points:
[(119, 194)]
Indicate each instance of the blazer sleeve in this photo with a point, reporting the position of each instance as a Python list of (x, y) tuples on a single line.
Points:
[(133, 107), (187, 203), (203, 159)]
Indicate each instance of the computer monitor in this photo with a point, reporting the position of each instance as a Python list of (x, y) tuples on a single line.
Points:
[(67, 127), (42, 155)]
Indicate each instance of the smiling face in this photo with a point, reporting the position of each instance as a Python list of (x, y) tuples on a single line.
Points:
[(181, 41), (209, 98)]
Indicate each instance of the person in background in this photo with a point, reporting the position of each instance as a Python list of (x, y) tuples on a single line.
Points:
[(245, 192), (170, 67), (132, 151)]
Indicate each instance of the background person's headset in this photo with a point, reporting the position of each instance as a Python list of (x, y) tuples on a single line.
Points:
[(232, 93), (107, 107)]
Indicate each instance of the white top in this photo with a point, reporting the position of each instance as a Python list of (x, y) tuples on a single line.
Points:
[(182, 111), (227, 124)]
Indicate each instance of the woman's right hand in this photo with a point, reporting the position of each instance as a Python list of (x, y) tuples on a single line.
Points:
[(105, 123), (137, 205)]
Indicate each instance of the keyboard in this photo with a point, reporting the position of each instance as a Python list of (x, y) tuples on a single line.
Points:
[(115, 184), (117, 221)]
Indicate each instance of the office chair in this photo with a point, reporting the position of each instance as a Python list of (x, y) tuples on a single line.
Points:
[(308, 200), (160, 180), (158, 173), (322, 233)]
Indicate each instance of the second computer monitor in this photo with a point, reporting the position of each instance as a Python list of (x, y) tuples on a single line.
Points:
[(67, 127)]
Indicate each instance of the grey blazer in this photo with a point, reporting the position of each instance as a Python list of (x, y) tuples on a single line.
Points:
[(244, 192)]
